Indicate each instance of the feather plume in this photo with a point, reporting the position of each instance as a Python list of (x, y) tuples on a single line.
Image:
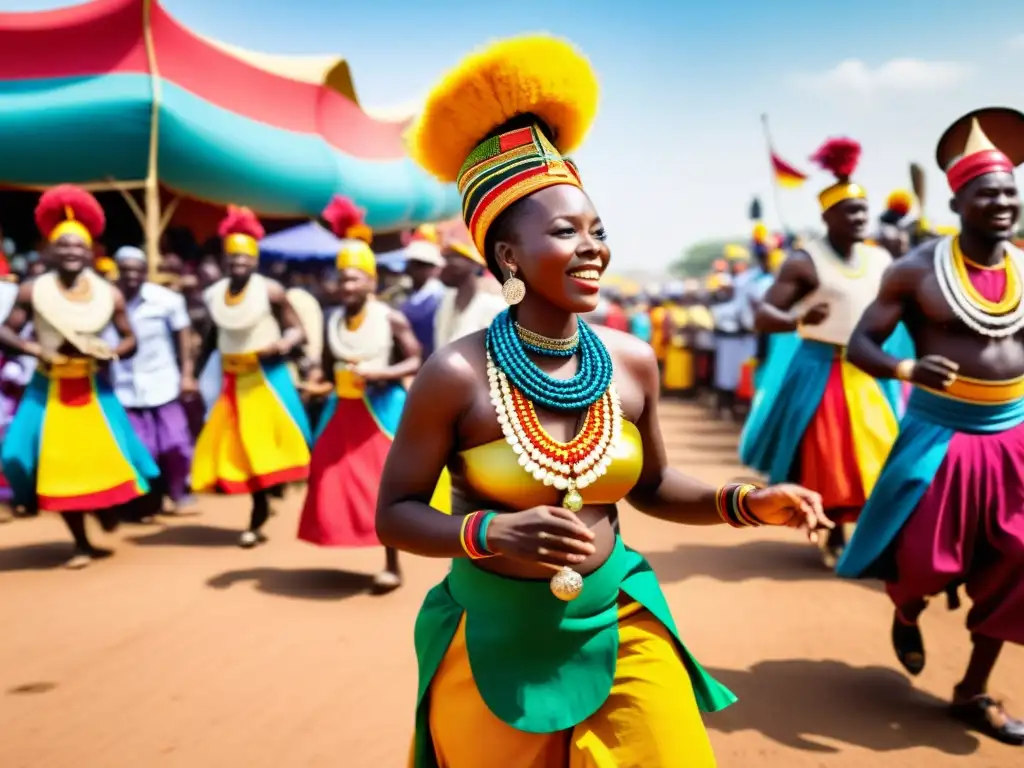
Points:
[(346, 219), (899, 203), (535, 75), (241, 221), (839, 156), (56, 203)]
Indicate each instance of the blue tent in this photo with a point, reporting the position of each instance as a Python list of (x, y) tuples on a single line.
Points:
[(305, 242), (392, 260)]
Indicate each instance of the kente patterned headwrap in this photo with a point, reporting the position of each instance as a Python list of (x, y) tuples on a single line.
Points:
[(532, 77), (505, 169), (840, 157), (69, 210)]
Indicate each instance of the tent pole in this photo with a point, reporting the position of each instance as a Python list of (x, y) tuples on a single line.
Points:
[(169, 213), (152, 225)]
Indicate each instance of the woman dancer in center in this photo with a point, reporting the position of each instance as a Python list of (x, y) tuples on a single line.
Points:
[(549, 643)]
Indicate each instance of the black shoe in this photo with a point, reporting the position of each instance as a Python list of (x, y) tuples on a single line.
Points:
[(908, 644), (988, 717)]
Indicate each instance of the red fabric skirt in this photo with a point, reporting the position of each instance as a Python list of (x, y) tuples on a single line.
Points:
[(344, 476)]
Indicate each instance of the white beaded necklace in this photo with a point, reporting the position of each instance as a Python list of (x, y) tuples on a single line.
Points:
[(969, 312), (543, 468)]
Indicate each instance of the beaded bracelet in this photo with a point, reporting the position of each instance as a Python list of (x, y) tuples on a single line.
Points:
[(731, 503), (473, 533)]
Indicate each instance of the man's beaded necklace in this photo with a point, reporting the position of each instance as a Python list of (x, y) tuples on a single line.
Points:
[(1008, 317)]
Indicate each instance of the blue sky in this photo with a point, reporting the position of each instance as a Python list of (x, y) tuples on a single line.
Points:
[(677, 151)]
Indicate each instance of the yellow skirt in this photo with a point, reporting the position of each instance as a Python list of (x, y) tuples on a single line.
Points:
[(678, 375), (650, 719), (257, 435)]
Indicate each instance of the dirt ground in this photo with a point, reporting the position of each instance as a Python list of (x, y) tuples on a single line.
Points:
[(183, 650)]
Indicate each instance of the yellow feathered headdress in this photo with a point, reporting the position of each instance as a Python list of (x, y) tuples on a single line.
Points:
[(460, 135)]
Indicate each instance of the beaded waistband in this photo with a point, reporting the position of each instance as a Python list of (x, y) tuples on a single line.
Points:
[(246, 362), (970, 390), (73, 368), (348, 385)]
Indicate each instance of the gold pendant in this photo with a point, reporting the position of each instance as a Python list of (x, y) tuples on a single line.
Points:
[(566, 584), (572, 500)]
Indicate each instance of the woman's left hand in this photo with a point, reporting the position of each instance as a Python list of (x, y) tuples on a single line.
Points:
[(788, 505)]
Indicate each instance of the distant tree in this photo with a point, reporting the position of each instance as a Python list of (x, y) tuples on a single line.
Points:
[(697, 259)]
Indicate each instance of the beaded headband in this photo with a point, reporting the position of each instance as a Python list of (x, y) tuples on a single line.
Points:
[(839, 157), (241, 232), (69, 210), (357, 254), (979, 158)]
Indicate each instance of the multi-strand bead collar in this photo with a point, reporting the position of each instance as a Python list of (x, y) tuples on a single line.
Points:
[(996, 320), (576, 393), (518, 386)]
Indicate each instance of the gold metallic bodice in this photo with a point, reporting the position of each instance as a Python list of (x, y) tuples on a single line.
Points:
[(492, 471)]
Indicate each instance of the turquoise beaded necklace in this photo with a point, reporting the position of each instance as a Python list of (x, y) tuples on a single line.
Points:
[(581, 391)]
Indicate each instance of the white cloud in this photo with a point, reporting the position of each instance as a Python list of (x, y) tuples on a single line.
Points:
[(1016, 42), (896, 75)]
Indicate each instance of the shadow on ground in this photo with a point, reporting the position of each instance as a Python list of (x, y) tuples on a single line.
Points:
[(304, 583), (806, 704), (775, 560), (188, 536), (35, 557)]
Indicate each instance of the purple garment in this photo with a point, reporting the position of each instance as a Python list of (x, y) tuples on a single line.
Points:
[(420, 309), (969, 528), (165, 433)]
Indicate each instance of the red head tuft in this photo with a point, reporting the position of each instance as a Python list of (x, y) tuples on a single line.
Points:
[(241, 221), (344, 217), (56, 203), (840, 156)]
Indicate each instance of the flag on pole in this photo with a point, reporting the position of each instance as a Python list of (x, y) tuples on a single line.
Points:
[(785, 174)]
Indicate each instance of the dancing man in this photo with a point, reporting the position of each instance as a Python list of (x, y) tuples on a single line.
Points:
[(257, 435), (71, 447), (151, 384), (370, 349), (828, 426), (948, 508)]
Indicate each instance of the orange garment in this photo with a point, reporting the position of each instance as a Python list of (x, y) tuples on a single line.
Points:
[(658, 341)]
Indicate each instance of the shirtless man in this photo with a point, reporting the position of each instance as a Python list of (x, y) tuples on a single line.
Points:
[(948, 508)]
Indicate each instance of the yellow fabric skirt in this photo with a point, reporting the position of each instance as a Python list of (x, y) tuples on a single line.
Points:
[(257, 435), (650, 719), (678, 373)]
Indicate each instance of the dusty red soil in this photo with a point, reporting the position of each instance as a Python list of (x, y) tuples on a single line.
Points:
[(183, 650)]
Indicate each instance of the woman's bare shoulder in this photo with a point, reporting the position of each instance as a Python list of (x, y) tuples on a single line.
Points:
[(629, 353)]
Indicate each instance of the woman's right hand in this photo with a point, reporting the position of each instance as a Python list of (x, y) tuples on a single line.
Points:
[(552, 536)]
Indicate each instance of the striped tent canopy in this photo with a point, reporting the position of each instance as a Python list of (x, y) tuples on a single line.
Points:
[(83, 89)]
